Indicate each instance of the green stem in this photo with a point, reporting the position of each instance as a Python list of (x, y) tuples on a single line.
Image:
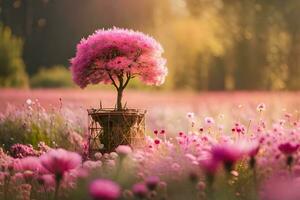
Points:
[(56, 189), (5, 187), (209, 191), (119, 168), (289, 162)]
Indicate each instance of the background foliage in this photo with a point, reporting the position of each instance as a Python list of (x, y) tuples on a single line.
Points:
[(55, 77), (209, 44), (12, 68)]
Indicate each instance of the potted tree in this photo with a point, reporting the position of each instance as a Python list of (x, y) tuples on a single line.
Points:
[(115, 56)]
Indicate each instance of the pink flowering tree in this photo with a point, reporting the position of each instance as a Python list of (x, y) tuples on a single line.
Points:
[(116, 56)]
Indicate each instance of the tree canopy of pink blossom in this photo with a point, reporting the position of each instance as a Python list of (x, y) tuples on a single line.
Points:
[(107, 55)]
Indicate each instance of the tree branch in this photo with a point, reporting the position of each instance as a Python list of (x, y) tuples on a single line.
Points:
[(113, 81), (128, 76), (120, 78)]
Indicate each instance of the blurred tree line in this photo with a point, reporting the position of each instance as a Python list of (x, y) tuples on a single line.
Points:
[(209, 44), (12, 68)]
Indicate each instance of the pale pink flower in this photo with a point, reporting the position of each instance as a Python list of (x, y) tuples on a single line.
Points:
[(209, 121), (190, 157), (60, 161), (261, 107), (98, 156), (102, 189), (29, 163), (123, 150), (110, 163), (113, 155), (29, 102), (89, 164), (249, 148), (190, 115)]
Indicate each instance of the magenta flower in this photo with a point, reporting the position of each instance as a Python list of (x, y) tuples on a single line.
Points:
[(156, 141), (152, 182), (227, 154), (288, 148), (22, 150), (115, 56), (60, 161), (140, 190), (102, 189)]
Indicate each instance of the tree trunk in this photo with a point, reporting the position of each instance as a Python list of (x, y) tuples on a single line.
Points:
[(119, 99)]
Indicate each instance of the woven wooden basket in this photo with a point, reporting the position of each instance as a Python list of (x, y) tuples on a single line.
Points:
[(109, 128)]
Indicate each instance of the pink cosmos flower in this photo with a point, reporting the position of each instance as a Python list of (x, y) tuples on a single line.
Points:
[(288, 148), (228, 154), (60, 161), (29, 163), (102, 189), (140, 190)]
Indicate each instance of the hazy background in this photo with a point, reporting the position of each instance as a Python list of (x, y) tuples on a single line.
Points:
[(209, 44)]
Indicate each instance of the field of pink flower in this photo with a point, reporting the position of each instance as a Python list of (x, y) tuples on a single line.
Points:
[(239, 145)]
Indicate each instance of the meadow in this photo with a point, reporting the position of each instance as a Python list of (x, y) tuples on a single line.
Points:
[(215, 145), (211, 116)]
